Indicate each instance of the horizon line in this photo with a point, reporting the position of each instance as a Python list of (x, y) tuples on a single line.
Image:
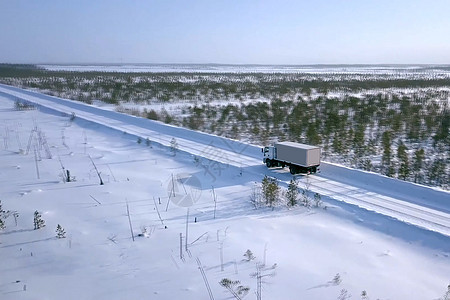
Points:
[(218, 64)]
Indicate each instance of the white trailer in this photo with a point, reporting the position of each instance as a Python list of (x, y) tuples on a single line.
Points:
[(300, 158)]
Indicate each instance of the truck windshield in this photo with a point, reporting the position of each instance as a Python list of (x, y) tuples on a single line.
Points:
[(266, 149)]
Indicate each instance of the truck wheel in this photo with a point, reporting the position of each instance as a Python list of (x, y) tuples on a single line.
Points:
[(292, 170), (268, 163)]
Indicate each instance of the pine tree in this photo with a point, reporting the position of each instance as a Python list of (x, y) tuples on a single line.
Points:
[(60, 233), (3, 215), (447, 294), (436, 172), (366, 164), (403, 170), (358, 141), (337, 279), (152, 115), (272, 192), (292, 193), (338, 143), (312, 135), (344, 295), (386, 141), (38, 222), (443, 129), (418, 164), (249, 255)]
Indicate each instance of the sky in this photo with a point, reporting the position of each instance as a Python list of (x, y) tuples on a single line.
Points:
[(225, 31)]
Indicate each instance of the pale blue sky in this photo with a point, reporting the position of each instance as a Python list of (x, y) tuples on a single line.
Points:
[(225, 31)]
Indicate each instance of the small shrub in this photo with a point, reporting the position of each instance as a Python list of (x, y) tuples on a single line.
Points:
[(234, 287), (317, 200), (38, 222), (337, 279), (249, 255), (60, 233)]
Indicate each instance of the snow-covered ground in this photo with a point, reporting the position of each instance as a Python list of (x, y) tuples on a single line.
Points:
[(384, 195), (371, 248)]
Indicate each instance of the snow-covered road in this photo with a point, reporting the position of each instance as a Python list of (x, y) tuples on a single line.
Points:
[(417, 205)]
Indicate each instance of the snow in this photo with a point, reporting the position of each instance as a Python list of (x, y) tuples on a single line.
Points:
[(340, 182), (373, 250)]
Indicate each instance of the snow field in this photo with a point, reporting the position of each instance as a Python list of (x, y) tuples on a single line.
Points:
[(99, 260)]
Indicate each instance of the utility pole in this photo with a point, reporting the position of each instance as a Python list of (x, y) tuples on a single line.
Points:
[(187, 226), (36, 162), (129, 221), (215, 201)]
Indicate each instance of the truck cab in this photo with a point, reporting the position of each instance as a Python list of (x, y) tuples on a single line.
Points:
[(268, 153)]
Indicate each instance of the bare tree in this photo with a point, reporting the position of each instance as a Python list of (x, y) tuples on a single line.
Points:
[(256, 195), (173, 146), (262, 272), (305, 193)]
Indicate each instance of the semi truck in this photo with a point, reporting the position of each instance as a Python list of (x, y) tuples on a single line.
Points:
[(300, 158)]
